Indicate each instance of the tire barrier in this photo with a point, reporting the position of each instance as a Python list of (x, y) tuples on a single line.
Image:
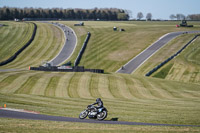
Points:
[(21, 49), (170, 58), (73, 69), (77, 61)]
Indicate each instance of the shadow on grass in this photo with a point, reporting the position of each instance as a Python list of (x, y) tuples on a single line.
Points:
[(114, 119), (1, 25)]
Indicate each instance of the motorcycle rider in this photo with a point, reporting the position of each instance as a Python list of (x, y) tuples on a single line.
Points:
[(99, 103)]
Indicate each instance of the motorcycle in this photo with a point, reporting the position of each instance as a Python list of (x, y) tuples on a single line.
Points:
[(93, 113)]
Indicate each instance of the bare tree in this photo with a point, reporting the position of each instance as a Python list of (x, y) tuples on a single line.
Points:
[(194, 17), (172, 16), (129, 12), (180, 16), (149, 16), (140, 15)]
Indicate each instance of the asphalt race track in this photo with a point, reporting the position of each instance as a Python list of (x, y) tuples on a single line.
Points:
[(31, 116), (69, 46), (137, 61)]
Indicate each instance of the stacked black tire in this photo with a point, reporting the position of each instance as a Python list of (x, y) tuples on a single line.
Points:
[(73, 69), (77, 61)]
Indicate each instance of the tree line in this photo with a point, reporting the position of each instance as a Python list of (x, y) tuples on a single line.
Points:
[(8, 13), (194, 17), (183, 17)]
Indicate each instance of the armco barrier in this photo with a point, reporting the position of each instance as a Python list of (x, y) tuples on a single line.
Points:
[(170, 58), (77, 61), (73, 69), (21, 49)]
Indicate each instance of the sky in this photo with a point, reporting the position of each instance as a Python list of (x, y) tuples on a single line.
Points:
[(160, 9)]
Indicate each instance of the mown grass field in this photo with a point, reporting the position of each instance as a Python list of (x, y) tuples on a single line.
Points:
[(46, 45), (185, 67), (109, 50), (191, 59), (14, 35), (127, 97)]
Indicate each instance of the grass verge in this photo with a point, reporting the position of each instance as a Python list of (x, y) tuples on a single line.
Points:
[(35, 126), (164, 72)]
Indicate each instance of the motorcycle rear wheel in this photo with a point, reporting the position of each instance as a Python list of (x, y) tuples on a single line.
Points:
[(102, 115), (83, 114)]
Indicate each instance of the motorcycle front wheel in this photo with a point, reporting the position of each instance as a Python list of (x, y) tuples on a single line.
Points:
[(83, 114), (102, 115)]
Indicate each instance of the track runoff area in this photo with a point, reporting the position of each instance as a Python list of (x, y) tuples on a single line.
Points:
[(31, 115)]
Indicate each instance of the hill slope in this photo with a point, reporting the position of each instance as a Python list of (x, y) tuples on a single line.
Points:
[(185, 67), (13, 36), (127, 97), (109, 50), (47, 43)]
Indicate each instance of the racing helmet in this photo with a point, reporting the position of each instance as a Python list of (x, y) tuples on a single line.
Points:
[(98, 99)]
